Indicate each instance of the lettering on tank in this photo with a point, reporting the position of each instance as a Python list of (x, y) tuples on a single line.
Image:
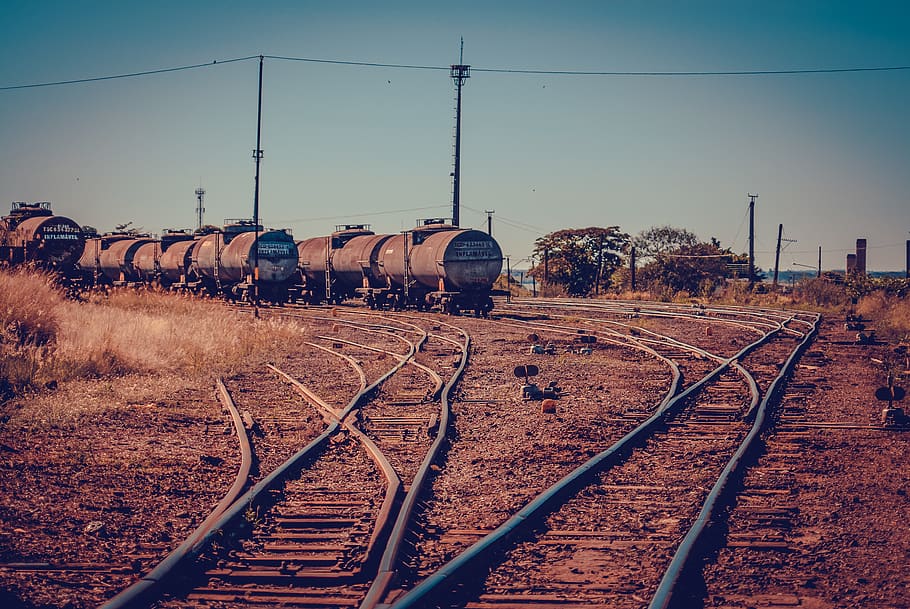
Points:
[(274, 249), (474, 250), (61, 232)]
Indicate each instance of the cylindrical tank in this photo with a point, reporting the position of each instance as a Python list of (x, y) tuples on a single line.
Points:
[(391, 261), (277, 257), (54, 241), (145, 261), (205, 254), (356, 264), (90, 261), (175, 261), (117, 260), (459, 260), (443, 258), (312, 259)]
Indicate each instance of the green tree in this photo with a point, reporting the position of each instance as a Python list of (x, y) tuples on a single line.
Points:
[(697, 269), (580, 260), (675, 260), (661, 240)]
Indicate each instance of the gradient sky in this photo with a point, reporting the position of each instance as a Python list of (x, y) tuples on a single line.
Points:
[(828, 154)]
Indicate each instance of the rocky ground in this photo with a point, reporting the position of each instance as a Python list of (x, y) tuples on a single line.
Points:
[(98, 479)]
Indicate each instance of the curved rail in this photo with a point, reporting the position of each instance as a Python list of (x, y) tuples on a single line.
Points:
[(387, 562), (141, 591), (393, 481), (196, 543), (555, 496), (667, 594)]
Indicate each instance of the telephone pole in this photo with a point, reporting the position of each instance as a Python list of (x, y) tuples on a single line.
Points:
[(752, 239), (780, 239), (459, 74), (780, 233), (257, 154), (490, 213)]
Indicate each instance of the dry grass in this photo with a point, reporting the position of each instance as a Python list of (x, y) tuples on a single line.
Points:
[(891, 314), (47, 339)]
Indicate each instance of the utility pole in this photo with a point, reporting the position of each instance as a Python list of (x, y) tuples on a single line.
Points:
[(200, 193), (257, 154), (546, 270), (459, 74), (820, 260), (489, 213), (752, 239), (780, 233), (508, 280), (632, 267)]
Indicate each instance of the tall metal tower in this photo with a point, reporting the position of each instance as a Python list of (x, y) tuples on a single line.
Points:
[(459, 73), (200, 193)]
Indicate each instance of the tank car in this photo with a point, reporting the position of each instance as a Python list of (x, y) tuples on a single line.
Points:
[(175, 259), (441, 265), (117, 262), (225, 261), (31, 233), (342, 265), (89, 263)]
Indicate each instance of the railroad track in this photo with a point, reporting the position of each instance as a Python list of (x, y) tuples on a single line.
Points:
[(621, 528), (315, 531), (777, 547), (281, 555), (81, 579)]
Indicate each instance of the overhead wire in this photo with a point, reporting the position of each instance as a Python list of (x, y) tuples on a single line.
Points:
[(369, 214), (74, 81), (405, 66)]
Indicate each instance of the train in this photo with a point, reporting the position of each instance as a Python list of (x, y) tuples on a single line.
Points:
[(435, 266)]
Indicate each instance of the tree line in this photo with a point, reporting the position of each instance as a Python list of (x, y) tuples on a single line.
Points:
[(663, 260)]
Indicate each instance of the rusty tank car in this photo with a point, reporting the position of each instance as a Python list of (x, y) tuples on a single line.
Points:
[(31, 233), (435, 265), (225, 261), (341, 265), (440, 265)]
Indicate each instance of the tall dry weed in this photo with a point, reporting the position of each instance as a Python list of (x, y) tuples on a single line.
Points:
[(28, 303), (46, 338), (890, 313)]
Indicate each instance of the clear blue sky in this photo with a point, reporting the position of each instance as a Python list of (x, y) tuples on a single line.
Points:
[(828, 154)]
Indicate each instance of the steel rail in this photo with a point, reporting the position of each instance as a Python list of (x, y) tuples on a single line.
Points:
[(139, 592), (195, 545), (667, 594), (388, 561), (656, 310), (668, 313), (556, 495), (623, 340), (393, 480)]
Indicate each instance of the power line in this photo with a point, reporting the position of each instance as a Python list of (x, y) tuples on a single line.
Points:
[(363, 64), (403, 66), (600, 72), (129, 75), (366, 214), (694, 73)]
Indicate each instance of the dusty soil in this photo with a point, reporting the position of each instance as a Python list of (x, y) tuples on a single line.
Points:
[(88, 521)]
